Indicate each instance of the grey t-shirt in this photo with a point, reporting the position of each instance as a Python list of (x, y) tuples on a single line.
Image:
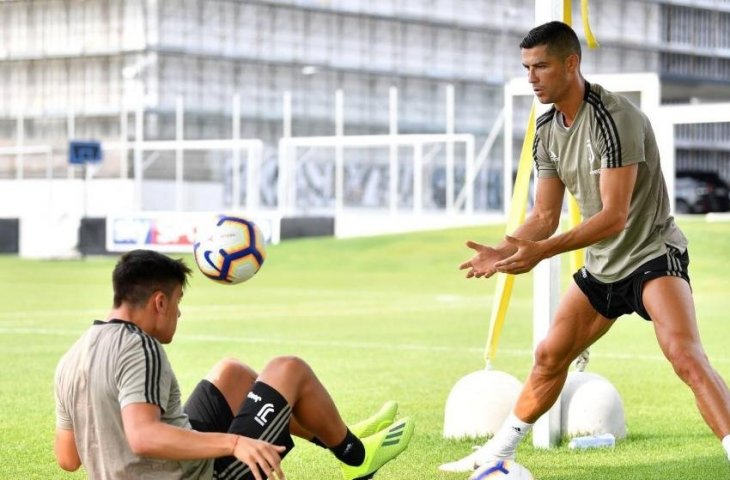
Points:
[(112, 365), (610, 132)]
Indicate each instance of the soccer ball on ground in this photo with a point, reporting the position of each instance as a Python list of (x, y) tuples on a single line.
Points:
[(501, 470), (230, 251)]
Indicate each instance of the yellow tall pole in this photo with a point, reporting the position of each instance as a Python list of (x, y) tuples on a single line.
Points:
[(516, 216)]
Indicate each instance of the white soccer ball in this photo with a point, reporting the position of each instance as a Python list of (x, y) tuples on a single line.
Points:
[(231, 250), (502, 470)]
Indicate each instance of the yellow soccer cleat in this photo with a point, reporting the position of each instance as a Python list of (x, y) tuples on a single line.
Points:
[(380, 420), (380, 448)]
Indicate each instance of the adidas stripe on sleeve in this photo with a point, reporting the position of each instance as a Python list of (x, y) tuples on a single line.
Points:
[(140, 373)]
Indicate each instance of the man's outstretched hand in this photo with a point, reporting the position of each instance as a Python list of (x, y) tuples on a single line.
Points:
[(488, 260), (482, 264), (528, 255)]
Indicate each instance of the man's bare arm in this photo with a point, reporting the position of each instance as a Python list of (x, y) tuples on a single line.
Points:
[(64, 447), (544, 219), (617, 186), (542, 222)]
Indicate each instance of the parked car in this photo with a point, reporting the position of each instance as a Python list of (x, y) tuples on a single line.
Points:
[(700, 192)]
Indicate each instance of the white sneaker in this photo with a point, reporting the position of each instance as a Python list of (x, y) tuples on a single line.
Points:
[(471, 462)]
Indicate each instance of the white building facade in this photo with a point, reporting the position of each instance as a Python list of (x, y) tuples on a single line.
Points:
[(71, 69)]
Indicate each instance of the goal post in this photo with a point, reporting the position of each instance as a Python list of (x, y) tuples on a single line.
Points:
[(252, 148), (423, 147)]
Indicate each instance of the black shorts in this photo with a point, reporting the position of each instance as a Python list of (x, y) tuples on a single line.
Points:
[(623, 297), (265, 415)]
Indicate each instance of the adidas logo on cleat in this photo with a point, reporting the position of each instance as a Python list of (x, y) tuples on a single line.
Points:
[(394, 436)]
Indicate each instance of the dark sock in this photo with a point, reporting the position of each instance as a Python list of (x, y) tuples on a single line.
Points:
[(350, 451), (317, 442)]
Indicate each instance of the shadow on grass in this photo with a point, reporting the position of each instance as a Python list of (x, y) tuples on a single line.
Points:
[(689, 468)]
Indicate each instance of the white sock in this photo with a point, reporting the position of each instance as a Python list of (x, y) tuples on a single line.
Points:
[(726, 445), (505, 441)]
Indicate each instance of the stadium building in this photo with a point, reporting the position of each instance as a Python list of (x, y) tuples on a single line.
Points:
[(86, 69)]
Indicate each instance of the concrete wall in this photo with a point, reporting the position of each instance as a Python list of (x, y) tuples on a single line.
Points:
[(65, 218)]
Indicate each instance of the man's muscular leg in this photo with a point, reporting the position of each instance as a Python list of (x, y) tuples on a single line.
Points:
[(576, 326), (668, 300)]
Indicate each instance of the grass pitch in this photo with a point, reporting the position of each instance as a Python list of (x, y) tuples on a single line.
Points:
[(380, 318)]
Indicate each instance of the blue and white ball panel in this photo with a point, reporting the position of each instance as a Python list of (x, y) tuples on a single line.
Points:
[(502, 470), (230, 252)]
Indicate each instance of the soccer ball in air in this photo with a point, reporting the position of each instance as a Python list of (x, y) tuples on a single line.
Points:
[(501, 470), (230, 251)]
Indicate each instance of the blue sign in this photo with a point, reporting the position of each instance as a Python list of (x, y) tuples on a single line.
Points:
[(81, 152)]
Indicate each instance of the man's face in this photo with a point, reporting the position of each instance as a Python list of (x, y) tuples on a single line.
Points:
[(548, 74)]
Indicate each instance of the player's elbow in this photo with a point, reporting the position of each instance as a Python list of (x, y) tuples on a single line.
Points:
[(64, 448), (548, 220), (141, 445), (616, 223), (68, 464), (553, 226)]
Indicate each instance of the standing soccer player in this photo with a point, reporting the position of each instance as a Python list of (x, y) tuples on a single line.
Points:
[(601, 148), (119, 410)]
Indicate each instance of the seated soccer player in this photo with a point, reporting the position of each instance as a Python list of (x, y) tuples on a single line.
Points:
[(119, 410)]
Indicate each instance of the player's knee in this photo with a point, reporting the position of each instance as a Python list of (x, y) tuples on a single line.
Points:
[(233, 370), (548, 361), (288, 366), (288, 375), (690, 364)]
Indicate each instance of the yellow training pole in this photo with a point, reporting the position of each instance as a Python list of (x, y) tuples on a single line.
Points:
[(590, 38), (516, 216)]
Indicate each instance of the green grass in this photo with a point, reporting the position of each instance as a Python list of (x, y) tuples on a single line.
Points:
[(380, 318)]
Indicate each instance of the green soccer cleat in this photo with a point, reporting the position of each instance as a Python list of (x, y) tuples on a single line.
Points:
[(381, 448), (380, 420)]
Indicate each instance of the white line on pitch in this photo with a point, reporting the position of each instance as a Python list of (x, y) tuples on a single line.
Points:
[(181, 338), (324, 308)]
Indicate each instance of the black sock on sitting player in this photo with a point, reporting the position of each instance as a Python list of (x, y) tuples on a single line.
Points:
[(317, 442), (350, 451)]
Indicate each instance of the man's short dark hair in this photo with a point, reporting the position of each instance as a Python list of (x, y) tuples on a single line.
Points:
[(558, 36), (140, 273)]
